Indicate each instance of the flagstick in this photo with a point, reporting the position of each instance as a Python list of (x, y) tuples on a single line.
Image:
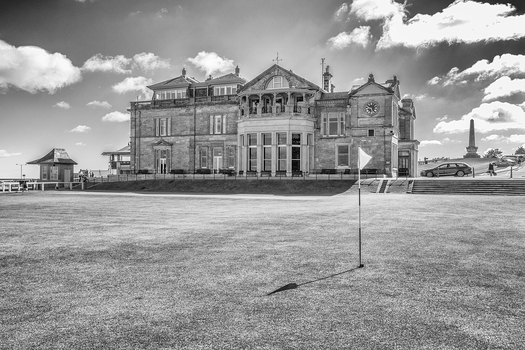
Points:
[(359, 192)]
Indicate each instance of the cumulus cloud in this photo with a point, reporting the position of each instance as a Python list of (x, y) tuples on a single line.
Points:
[(429, 143), (99, 63), (133, 84), (62, 104), (455, 24), (515, 138), (359, 36), (102, 104), (210, 62), (503, 87), (376, 9), (80, 144), (341, 12), (504, 65), (81, 129), (487, 117), (5, 154), (33, 69), (149, 61), (116, 116)]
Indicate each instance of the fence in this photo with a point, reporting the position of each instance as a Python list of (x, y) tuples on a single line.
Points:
[(316, 175)]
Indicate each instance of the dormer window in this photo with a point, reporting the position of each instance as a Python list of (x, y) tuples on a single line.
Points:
[(277, 82), (225, 90)]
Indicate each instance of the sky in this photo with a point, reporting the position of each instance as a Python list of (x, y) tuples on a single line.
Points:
[(70, 68)]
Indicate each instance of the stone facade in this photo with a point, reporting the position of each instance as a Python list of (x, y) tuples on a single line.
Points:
[(277, 123)]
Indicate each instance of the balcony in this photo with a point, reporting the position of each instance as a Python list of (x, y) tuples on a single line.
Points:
[(172, 103)]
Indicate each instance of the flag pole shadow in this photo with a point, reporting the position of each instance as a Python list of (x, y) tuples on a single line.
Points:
[(295, 285)]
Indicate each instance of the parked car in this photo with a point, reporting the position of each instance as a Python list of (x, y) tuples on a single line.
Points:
[(506, 161), (448, 169)]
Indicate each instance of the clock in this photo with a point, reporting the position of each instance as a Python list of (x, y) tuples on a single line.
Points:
[(371, 108)]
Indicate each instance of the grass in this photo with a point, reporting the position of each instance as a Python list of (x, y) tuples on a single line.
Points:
[(122, 271)]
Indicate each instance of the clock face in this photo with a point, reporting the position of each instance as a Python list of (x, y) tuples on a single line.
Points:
[(372, 108)]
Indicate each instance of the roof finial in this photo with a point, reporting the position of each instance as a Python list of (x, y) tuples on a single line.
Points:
[(277, 59), (371, 78)]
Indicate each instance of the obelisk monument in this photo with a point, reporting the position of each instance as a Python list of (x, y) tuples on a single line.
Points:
[(472, 149)]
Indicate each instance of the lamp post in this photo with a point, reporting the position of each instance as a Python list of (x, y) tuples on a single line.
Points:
[(21, 165)]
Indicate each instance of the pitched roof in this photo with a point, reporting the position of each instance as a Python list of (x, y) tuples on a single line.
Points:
[(275, 68), (55, 156), (180, 81), (334, 96), (123, 150)]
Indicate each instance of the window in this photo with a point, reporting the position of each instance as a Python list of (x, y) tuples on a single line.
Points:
[(162, 126), (231, 157), (54, 173), (171, 94), (225, 90), (333, 123), (277, 82), (252, 152), (281, 151), (204, 157), (371, 132), (267, 152), (217, 124), (44, 172), (296, 152), (342, 155)]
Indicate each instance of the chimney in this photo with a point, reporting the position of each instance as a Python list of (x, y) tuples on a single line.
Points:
[(209, 77), (332, 87), (237, 71), (327, 79), (183, 72)]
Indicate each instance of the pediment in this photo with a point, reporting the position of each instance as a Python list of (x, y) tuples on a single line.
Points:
[(162, 143), (294, 80), (370, 89)]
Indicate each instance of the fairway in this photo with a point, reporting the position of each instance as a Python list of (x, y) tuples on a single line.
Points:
[(153, 271)]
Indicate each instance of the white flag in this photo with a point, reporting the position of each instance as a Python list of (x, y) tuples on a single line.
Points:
[(363, 158)]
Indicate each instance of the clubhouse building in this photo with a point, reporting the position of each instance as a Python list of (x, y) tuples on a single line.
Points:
[(276, 124)]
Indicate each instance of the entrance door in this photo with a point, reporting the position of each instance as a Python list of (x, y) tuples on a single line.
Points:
[(217, 160), (404, 166), (162, 166), (67, 175)]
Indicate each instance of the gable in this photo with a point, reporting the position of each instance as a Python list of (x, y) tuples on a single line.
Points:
[(294, 81)]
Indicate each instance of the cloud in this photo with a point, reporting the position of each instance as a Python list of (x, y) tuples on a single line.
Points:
[(80, 144), (62, 104), (359, 36), (102, 104), (5, 154), (81, 129), (487, 117), (504, 65), (341, 12), (99, 63), (429, 143), (504, 87), (515, 138), (210, 62), (376, 9), (33, 69), (455, 24), (133, 84), (116, 116), (149, 61)]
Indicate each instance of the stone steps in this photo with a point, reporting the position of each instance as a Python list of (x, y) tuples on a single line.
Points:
[(469, 186)]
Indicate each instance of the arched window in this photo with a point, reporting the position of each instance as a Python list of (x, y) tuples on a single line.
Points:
[(277, 82)]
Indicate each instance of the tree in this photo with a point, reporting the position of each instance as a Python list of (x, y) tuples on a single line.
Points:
[(492, 153), (520, 150)]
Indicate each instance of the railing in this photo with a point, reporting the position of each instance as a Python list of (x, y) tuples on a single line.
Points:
[(253, 110), (297, 109)]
